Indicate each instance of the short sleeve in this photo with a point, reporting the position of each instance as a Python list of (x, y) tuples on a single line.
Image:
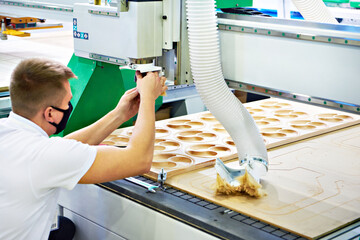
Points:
[(60, 163)]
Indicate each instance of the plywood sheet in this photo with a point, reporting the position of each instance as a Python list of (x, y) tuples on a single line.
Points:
[(183, 144), (281, 122), (3, 87), (194, 141), (313, 186)]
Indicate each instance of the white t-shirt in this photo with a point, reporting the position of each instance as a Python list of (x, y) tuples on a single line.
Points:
[(33, 167)]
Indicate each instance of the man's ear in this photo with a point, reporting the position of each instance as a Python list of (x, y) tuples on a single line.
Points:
[(48, 114)]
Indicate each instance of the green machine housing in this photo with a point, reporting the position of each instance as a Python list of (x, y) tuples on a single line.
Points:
[(352, 3), (96, 91), (233, 3), (100, 85)]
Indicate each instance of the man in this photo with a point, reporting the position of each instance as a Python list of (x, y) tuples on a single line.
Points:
[(33, 167)]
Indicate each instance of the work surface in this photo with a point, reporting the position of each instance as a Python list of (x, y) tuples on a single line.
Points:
[(313, 183), (194, 141)]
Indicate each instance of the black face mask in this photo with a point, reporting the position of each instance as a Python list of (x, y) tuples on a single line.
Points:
[(62, 124)]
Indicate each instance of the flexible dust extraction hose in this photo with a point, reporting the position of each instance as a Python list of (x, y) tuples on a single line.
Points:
[(314, 10), (209, 80)]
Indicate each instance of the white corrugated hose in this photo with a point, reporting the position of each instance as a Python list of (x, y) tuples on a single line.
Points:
[(315, 11), (209, 80)]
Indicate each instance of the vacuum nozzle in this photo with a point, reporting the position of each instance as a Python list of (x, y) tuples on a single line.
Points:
[(246, 178)]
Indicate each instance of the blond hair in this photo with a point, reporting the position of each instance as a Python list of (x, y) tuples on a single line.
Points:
[(37, 83)]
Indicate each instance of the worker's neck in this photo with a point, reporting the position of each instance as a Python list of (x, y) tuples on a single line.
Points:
[(40, 120)]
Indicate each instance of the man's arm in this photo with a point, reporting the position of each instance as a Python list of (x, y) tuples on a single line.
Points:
[(98, 131), (113, 163)]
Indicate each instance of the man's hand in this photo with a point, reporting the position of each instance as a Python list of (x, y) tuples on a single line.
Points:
[(151, 86), (128, 105)]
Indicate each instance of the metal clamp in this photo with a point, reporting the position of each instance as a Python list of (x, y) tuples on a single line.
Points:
[(151, 188), (161, 179), (148, 186)]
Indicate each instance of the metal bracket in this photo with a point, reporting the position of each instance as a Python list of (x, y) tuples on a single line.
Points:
[(3, 36), (161, 179), (103, 58), (104, 13), (293, 96)]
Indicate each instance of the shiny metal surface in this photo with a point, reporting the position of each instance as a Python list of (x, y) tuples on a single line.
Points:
[(289, 22), (293, 96), (104, 13), (37, 5), (113, 60)]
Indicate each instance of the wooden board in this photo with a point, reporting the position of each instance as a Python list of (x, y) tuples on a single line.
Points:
[(313, 186), (3, 87), (282, 122), (194, 141), (182, 144)]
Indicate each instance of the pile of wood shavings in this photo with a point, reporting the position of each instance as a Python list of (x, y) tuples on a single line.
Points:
[(247, 185)]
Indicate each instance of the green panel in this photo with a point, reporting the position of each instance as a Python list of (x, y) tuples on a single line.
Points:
[(129, 76), (158, 103), (97, 91), (101, 95), (83, 68), (355, 4), (233, 3)]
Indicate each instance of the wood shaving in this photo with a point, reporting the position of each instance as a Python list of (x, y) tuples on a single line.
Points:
[(248, 185)]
